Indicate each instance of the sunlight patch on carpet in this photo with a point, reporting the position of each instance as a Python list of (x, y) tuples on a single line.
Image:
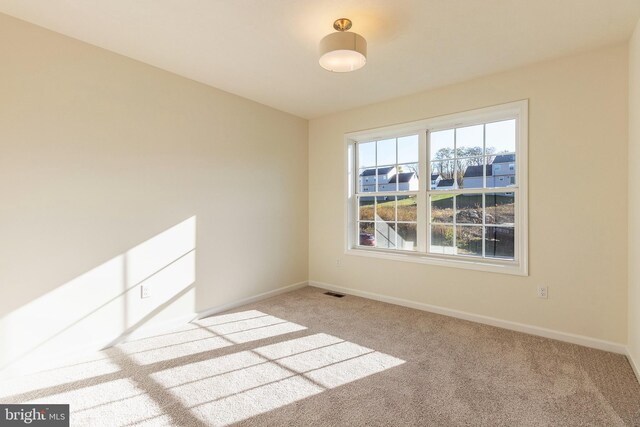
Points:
[(181, 377), (55, 377), (234, 387), (211, 334), (96, 405)]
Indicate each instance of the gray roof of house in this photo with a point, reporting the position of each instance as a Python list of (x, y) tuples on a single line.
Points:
[(372, 171), (477, 171), (446, 183), (402, 177), (505, 158), (434, 176)]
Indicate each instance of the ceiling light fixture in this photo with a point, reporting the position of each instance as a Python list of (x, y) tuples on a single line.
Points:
[(343, 51)]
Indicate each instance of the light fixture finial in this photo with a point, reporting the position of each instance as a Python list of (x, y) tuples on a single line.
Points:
[(342, 24)]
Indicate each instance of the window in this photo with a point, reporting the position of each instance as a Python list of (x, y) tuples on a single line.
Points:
[(472, 211), (389, 218)]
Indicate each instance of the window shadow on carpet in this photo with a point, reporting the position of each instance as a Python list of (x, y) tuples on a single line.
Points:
[(214, 371)]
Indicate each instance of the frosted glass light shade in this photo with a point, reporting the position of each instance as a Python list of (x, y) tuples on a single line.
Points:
[(343, 52)]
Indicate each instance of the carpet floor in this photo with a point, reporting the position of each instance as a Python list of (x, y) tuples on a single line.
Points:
[(308, 359)]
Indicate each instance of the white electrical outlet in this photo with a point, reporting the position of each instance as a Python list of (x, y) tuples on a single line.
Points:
[(338, 262), (145, 291), (543, 292)]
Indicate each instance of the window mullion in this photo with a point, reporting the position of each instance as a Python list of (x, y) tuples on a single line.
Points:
[(422, 199), (395, 222), (455, 186), (484, 224), (455, 159), (397, 167), (484, 186), (455, 231), (375, 198), (353, 238), (375, 176)]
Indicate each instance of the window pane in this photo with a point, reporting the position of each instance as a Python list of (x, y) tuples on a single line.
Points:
[(469, 209), (442, 175), (407, 177), (442, 208), (501, 137), (407, 208), (499, 242), (367, 180), (469, 240), (442, 239), (366, 208), (408, 149), (441, 144), (386, 181), (469, 141), (407, 236), (386, 152), (385, 235), (470, 172), (501, 171), (386, 208), (500, 208), (367, 234), (366, 154)]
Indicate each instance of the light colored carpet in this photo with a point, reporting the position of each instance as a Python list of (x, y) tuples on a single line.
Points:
[(304, 358)]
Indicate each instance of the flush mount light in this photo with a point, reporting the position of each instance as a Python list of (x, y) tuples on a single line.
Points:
[(343, 51)]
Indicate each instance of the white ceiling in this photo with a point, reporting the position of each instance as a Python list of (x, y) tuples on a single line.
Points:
[(266, 50)]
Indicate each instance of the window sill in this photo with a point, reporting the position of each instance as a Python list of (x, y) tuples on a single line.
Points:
[(492, 266)]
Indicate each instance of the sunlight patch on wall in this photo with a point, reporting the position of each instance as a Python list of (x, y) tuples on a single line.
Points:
[(104, 303)]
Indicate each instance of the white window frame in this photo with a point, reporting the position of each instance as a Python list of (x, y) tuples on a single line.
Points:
[(518, 110)]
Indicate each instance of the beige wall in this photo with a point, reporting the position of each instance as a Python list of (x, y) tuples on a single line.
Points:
[(577, 188), (634, 197), (99, 154)]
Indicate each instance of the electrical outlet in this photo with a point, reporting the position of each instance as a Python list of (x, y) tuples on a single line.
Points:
[(145, 291), (543, 292), (338, 262)]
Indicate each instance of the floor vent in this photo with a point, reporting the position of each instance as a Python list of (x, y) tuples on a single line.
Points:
[(334, 294)]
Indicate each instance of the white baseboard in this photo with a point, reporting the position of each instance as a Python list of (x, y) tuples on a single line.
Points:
[(171, 324), (492, 321), (635, 366), (219, 309), (146, 331), (180, 321)]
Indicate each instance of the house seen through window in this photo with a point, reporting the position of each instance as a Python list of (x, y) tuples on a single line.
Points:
[(388, 219), (477, 219)]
